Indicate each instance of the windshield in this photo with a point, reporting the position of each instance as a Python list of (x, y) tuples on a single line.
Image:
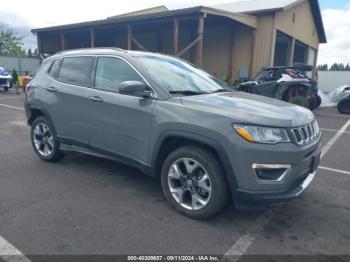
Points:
[(179, 77)]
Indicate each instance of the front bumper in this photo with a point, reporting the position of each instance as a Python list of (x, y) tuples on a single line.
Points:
[(263, 197), (248, 189)]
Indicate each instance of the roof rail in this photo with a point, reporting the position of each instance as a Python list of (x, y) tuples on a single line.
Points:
[(82, 49)]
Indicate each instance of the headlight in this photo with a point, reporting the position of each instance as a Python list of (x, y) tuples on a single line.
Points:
[(262, 135)]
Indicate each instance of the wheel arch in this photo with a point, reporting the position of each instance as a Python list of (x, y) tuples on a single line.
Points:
[(35, 112), (170, 141)]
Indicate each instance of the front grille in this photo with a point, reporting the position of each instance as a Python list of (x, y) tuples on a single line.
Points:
[(306, 134)]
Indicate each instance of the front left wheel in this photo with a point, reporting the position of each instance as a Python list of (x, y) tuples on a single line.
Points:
[(44, 140), (194, 183)]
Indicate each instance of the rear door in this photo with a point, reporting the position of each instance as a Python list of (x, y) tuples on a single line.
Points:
[(120, 123), (72, 88)]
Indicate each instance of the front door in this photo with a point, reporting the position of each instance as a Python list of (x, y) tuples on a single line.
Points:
[(121, 124)]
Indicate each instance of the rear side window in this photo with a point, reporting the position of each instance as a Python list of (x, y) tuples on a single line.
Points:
[(54, 68), (111, 72), (76, 70), (39, 72)]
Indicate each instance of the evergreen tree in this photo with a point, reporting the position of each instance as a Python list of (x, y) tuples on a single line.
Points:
[(36, 53), (29, 53), (14, 76)]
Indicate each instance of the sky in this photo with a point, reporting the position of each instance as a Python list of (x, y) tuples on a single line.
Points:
[(44, 13)]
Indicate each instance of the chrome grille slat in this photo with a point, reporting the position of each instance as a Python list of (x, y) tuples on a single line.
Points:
[(305, 134)]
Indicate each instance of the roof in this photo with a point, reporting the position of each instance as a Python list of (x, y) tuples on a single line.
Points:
[(242, 12), (254, 7), (157, 9), (242, 18)]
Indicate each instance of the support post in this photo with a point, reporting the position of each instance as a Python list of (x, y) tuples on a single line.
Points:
[(129, 37), (230, 65), (273, 47), (252, 54), (63, 41), (314, 72), (200, 43), (39, 48), (291, 52), (92, 37), (176, 36)]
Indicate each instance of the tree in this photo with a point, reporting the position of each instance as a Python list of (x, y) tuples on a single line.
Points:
[(36, 53), (11, 43), (29, 53), (322, 67), (14, 76)]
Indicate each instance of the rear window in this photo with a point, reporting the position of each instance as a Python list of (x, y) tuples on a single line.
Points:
[(54, 68), (76, 70)]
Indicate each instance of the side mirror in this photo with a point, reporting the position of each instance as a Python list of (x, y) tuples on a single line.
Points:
[(135, 88)]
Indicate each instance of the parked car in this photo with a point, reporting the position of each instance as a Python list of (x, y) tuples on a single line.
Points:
[(5, 79), (175, 122), (289, 84)]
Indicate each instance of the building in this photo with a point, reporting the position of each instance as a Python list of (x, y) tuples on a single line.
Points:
[(232, 40)]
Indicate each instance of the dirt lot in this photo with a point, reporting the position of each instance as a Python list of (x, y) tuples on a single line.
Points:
[(90, 206)]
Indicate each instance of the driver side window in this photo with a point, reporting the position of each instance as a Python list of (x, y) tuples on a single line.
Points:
[(111, 72)]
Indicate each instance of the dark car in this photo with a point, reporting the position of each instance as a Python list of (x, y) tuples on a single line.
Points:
[(289, 84), (174, 122), (344, 104)]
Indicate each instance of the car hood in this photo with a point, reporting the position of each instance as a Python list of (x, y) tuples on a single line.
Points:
[(252, 109)]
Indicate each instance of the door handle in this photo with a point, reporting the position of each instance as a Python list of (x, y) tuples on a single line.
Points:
[(96, 99), (51, 89)]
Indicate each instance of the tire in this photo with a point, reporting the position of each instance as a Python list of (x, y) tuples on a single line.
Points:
[(6, 89), (44, 140), (198, 201), (300, 101), (344, 106), (319, 101), (315, 103)]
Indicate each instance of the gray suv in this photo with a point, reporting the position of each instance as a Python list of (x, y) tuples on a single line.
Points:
[(171, 120)]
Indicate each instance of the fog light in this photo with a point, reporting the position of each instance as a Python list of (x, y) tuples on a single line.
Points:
[(270, 172)]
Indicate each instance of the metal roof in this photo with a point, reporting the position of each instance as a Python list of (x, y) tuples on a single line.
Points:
[(242, 12), (245, 19), (256, 6), (120, 19), (156, 9), (253, 7)]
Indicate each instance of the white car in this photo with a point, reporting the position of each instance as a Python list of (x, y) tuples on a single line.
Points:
[(5, 79)]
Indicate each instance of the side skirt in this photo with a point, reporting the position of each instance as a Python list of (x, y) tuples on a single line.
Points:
[(73, 146)]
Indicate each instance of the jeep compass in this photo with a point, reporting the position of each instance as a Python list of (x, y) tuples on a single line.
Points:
[(207, 144)]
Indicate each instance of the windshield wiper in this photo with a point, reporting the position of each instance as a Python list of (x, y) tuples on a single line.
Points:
[(186, 93), (221, 91)]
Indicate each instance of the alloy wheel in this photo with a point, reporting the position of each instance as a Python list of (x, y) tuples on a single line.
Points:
[(189, 184), (43, 139)]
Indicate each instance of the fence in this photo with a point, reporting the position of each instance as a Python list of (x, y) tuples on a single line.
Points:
[(23, 65), (328, 80)]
